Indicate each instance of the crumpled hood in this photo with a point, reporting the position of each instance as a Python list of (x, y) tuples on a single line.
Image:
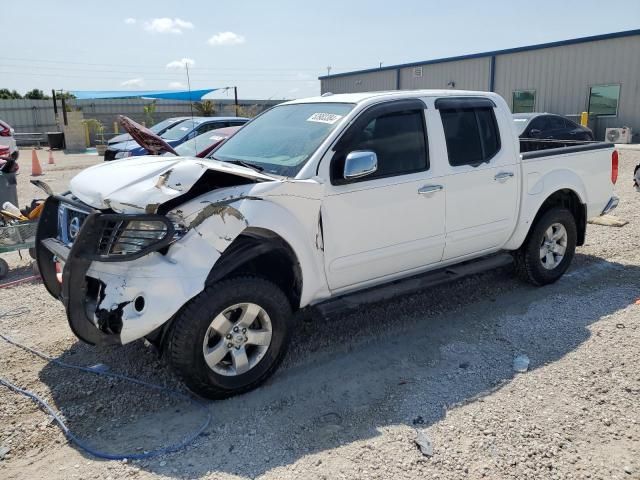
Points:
[(141, 184)]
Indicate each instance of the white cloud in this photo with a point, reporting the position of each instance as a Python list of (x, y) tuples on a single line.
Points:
[(226, 39), (167, 25), (177, 85), (133, 82), (188, 62), (130, 21)]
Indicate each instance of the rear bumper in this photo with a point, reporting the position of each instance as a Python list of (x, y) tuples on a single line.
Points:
[(611, 205)]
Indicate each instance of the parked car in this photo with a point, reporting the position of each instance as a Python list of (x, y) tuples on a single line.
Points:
[(203, 144), (7, 139), (158, 128), (330, 202), (548, 126), (174, 136)]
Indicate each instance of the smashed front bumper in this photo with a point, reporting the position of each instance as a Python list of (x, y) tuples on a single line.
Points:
[(112, 301)]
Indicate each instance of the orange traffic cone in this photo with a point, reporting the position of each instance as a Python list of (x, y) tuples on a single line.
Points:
[(36, 169), (51, 162)]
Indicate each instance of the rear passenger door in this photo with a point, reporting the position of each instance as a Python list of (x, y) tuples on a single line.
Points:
[(482, 177)]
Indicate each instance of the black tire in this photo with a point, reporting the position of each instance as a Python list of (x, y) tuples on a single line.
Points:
[(15, 155), (529, 265), (184, 343)]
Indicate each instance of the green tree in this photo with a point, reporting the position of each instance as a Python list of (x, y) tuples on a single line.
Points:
[(36, 94), (5, 94), (65, 95), (248, 111), (149, 110), (206, 108)]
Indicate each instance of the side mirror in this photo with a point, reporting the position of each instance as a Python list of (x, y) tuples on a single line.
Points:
[(360, 163)]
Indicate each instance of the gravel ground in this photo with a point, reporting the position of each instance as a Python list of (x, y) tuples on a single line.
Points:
[(355, 391)]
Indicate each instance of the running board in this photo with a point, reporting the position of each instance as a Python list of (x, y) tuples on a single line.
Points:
[(413, 284)]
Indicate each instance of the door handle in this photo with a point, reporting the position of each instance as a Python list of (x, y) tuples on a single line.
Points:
[(503, 176), (428, 189)]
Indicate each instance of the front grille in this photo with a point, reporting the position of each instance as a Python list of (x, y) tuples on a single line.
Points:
[(70, 220), (111, 232)]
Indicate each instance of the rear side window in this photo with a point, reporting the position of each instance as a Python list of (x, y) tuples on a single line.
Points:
[(471, 134), (557, 123)]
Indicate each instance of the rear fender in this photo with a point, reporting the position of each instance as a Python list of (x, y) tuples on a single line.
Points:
[(536, 190)]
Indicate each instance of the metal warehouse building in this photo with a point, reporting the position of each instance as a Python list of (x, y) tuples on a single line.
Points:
[(598, 74)]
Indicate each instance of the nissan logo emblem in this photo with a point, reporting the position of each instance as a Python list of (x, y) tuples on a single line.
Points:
[(74, 228)]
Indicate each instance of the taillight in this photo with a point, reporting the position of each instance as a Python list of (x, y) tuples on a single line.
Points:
[(5, 132), (614, 167)]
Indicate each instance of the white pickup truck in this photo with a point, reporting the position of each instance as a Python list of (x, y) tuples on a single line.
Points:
[(328, 202)]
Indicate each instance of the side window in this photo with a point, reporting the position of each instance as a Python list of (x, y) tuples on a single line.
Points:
[(556, 123), (209, 126), (471, 134), (236, 124), (398, 140), (539, 123), (569, 124)]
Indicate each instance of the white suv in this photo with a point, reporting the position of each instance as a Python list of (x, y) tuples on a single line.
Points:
[(7, 139)]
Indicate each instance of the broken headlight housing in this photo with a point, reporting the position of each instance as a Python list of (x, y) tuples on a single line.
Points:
[(132, 236)]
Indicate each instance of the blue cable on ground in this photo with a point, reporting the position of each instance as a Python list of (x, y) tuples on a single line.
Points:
[(78, 441)]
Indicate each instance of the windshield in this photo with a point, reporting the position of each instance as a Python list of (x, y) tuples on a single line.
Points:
[(192, 147), (180, 130), (282, 139), (162, 126), (521, 124)]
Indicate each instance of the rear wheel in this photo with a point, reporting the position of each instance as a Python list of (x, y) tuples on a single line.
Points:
[(549, 248), (231, 337)]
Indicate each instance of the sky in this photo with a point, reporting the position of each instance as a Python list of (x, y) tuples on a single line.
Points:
[(268, 49)]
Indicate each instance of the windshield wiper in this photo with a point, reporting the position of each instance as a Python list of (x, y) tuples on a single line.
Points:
[(257, 168)]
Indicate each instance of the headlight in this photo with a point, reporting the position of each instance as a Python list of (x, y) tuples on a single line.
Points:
[(122, 155), (135, 236), (138, 235)]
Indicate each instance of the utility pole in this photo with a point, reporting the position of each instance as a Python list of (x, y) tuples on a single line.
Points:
[(55, 107), (235, 97), (186, 68), (328, 70), (380, 65)]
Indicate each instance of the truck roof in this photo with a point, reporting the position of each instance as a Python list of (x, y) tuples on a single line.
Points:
[(365, 96)]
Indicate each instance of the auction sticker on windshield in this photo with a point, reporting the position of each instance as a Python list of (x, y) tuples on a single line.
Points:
[(329, 118)]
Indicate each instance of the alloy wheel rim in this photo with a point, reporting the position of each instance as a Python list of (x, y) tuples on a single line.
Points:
[(237, 339), (553, 246)]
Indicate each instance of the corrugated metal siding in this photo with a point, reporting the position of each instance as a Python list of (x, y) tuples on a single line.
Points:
[(366, 82), (28, 115), (561, 77), (470, 74), (36, 116)]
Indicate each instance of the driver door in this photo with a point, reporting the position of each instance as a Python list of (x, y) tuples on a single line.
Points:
[(391, 221)]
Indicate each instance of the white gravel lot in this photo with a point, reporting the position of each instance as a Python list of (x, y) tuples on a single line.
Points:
[(354, 391)]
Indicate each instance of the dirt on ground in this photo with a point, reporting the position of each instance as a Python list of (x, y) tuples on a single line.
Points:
[(356, 391)]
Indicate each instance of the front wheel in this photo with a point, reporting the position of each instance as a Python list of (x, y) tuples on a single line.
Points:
[(549, 248), (231, 337)]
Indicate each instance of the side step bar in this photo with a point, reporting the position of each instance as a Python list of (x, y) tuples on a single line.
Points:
[(412, 284)]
